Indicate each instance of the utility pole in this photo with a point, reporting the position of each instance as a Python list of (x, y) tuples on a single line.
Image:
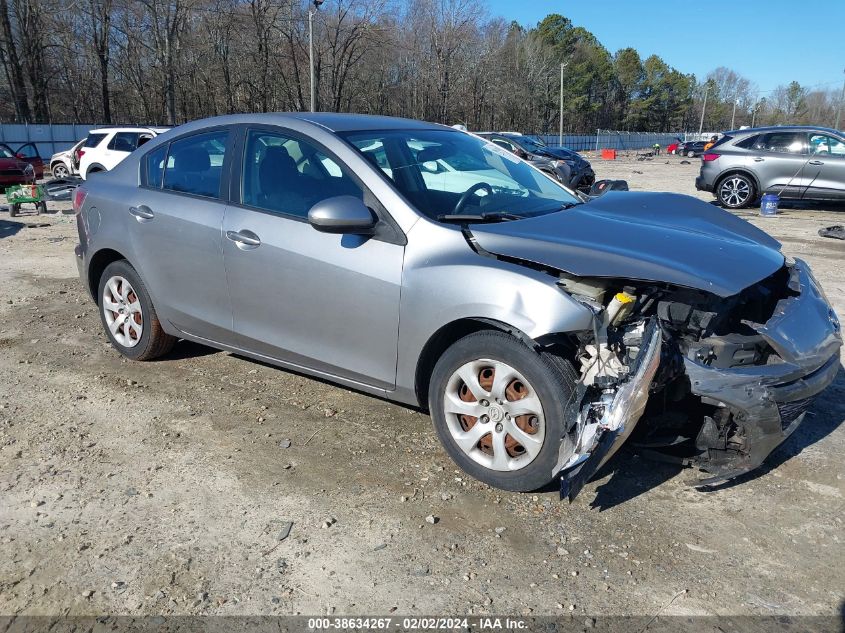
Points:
[(703, 110), (839, 107), (733, 115), (311, 12), (562, 67), (754, 113)]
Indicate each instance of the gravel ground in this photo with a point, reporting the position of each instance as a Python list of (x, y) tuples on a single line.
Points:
[(164, 488)]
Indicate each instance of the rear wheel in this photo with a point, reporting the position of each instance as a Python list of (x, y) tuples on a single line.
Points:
[(691, 154), (499, 409), (128, 315), (735, 191)]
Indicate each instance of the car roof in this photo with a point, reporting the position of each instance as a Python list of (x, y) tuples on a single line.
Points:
[(336, 122), (108, 130), (783, 128)]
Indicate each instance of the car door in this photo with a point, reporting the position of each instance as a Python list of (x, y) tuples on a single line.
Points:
[(779, 161), (176, 232), (29, 154), (826, 168), (322, 301)]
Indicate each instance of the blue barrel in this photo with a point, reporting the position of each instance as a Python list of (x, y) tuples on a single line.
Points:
[(769, 204)]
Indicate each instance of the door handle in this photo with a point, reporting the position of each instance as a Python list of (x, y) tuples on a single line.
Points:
[(142, 213), (244, 239), (759, 160), (816, 162)]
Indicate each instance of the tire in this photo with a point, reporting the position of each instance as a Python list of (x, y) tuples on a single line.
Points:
[(736, 191), (495, 457), (60, 170), (690, 154), (40, 208), (14, 210), (152, 341)]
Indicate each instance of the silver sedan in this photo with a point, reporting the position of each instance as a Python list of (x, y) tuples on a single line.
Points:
[(429, 266)]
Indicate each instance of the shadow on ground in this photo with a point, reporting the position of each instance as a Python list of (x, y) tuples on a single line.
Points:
[(8, 229)]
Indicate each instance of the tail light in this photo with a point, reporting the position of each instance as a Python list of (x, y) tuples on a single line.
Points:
[(79, 195), (709, 157)]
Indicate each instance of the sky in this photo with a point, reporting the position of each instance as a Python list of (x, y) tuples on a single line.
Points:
[(770, 42)]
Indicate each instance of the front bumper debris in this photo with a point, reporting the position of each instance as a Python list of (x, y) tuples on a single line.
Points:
[(768, 402), (598, 444)]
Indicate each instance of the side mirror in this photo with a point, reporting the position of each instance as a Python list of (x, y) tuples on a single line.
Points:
[(342, 214)]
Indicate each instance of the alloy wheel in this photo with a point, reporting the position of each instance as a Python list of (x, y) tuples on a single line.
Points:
[(734, 191), (60, 171), (494, 415), (122, 310)]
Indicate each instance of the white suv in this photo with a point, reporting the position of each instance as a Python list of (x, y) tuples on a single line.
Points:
[(106, 147)]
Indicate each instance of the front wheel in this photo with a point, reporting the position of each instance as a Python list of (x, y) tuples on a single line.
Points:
[(60, 170), (499, 409), (735, 191), (691, 154), (128, 315)]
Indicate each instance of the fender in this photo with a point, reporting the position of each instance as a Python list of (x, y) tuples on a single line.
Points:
[(459, 284)]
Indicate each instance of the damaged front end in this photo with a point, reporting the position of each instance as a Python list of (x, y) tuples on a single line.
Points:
[(730, 377)]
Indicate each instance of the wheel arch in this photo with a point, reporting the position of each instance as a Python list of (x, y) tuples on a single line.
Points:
[(97, 265), (734, 171), (447, 335), (94, 168)]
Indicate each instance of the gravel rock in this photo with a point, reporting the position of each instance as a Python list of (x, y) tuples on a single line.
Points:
[(432, 519)]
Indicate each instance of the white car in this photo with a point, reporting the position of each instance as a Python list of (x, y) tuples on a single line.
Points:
[(64, 164), (106, 147)]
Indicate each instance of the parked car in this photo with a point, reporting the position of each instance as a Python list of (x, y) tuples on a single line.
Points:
[(28, 153), (555, 168), (106, 147), (691, 148), (13, 169), (66, 163), (796, 162), (581, 176), (533, 325), (673, 147)]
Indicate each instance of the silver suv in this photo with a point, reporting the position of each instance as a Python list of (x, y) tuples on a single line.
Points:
[(804, 163)]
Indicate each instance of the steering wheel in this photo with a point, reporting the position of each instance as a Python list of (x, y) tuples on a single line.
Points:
[(465, 196)]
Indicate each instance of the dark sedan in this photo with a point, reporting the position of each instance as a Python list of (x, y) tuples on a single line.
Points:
[(581, 175), (691, 149)]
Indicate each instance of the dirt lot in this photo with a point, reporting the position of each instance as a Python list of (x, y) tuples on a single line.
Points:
[(161, 488)]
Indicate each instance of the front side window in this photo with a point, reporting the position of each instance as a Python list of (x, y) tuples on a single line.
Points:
[(195, 164), (784, 142), (94, 139), (288, 176), (826, 145), (434, 169)]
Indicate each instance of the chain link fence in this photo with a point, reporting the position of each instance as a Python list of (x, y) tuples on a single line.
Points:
[(614, 139)]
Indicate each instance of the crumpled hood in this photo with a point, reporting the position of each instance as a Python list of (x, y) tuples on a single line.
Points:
[(660, 237)]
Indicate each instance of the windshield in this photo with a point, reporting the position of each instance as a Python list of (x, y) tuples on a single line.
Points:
[(443, 172)]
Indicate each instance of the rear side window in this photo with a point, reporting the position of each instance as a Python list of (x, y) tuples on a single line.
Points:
[(721, 141), (785, 142), (195, 164), (94, 139), (748, 143), (124, 142), (154, 167)]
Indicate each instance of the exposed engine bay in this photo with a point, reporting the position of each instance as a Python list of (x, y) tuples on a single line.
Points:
[(699, 379)]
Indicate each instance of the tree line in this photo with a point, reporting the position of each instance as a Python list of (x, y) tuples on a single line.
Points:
[(170, 61)]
